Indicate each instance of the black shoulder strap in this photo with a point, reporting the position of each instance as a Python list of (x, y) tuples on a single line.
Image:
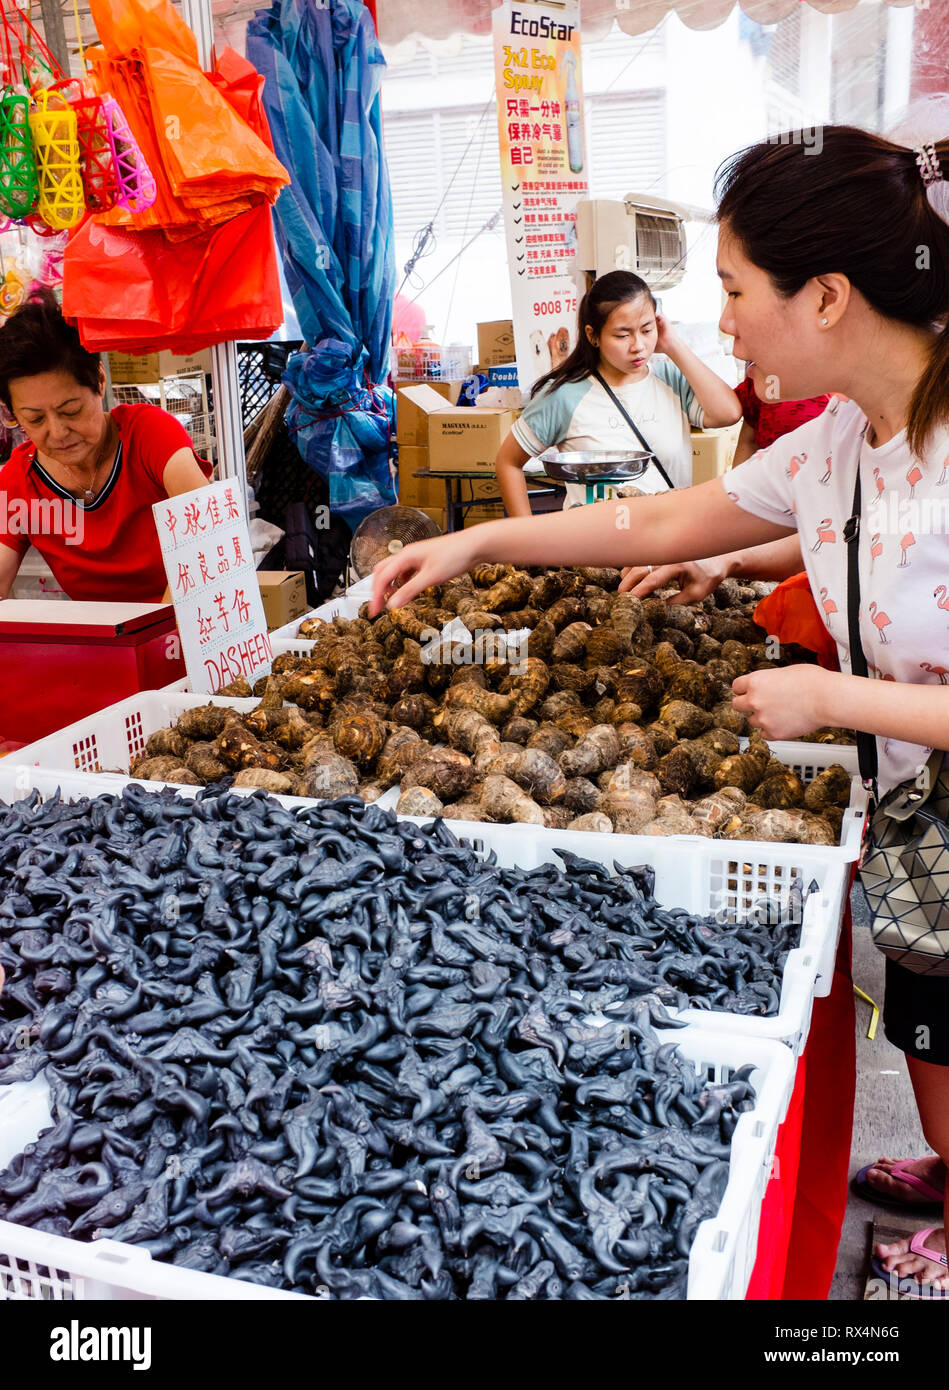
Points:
[(633, 426), (866, 743)]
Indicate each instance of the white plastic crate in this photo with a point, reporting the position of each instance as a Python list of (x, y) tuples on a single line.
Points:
[(34, 1265), (346, 606)]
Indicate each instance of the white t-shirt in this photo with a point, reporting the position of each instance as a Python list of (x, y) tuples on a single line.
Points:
[(806, 479), (580, 415)]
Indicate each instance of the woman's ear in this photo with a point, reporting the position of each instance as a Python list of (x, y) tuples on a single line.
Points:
[(591, 336), (101, 380)]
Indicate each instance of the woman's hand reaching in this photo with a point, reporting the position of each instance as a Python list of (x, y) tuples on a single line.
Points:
[(405, 574), (697, 579)]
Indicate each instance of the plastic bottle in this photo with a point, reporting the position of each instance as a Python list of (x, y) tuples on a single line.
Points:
[(428, 355), (574, 120)]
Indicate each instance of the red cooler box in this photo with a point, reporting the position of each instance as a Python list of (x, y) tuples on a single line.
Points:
[(62, 661)]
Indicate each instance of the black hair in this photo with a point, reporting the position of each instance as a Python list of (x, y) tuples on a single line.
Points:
[(36, 338), (858, 207), (606, 294)]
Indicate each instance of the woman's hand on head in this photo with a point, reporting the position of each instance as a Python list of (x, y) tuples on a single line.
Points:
[(403, 576), (696, 578), (666, 339)]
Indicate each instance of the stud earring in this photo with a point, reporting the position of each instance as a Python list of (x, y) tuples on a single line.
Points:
[(824, 322)]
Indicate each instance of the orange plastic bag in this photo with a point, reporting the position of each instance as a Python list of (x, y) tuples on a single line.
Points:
[(790, 614), (140, 291)]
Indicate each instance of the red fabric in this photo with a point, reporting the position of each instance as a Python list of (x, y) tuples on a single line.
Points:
[(771, 419), (116, 554), (791, 615), (777, 1211), (826, 1135)]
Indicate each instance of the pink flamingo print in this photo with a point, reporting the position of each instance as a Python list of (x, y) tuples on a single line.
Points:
[(913, 477), (827, 604), (944, 601), (876, 548), (939, 671), (795, 466), (908, 540), (880, 484), (945, 470), (825, 477), (824, 534), (880, 621)]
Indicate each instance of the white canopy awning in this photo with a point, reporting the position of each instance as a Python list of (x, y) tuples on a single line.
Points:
[(401, 20)]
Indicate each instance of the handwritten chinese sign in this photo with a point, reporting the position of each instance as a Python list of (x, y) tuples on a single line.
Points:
[(543, 173), (213, 583)]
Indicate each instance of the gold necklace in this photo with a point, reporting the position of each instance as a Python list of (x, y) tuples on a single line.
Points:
[(89, 493)]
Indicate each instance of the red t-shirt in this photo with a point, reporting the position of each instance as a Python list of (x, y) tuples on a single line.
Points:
[(109, 549), (772, 419)]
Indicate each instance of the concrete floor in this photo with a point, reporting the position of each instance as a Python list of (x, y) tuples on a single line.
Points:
[(885, 1118)]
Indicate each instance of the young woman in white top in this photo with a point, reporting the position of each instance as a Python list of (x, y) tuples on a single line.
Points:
[(837, 273), (619, 336)]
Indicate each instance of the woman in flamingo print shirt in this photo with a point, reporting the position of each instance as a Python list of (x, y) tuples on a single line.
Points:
[(830, 299)]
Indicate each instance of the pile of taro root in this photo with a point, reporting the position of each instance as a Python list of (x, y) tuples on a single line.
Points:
[(324, 1050), (617, 717)]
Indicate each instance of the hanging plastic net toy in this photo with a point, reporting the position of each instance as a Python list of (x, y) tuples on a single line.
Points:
[(19, 187), (96, 163), (54, 128), (136, 183)]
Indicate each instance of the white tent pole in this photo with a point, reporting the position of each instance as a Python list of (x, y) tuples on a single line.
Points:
[(228, 428)]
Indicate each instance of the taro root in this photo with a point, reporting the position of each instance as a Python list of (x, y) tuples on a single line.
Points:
[(575, 722), (528, 683), (559, 703), (311, 628), (725, 716), (407, 677), (722, 674), (184, 776), (737, 655), (566, 676), (745, 770), (332, 776), (596, 750), (717, 810), (725, 627), (679, 641), (511, 592), (721, 740), (692, 684), (571, 643), (626, 712), (636, 746), (240, 689), (603, 710), (518, 729), (707, 649), (833, 816), (829, 788), (360, 738), (641, 683), (794, 827), (272, 695), (391, 768), (237, 747), (413, 711), (626, 616), (539, 775), (687, 719), (205, 722), (550, 739), (283, 664), (629, 809), (603, 576), (155, 769), (467, 695), (285, 726), (445, 771), (465, 729), (469, 675), (500, 761), (604, 680), (276, 782), (419, 801), (540, 643), (316, 690), (469, 808), (522, 617), (663, 737), (167, 742), (411, 623), (776, 790), (503, 800), (486, 574), (605, 646), (671, 811), (204, 763), (565, 611), (581, 795), (547, 588), (598, 605), (595, 821), (556, 817), (627, 776), (676, 772), (705, 760)]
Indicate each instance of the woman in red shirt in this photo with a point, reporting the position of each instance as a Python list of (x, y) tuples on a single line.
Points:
[(81, 488)]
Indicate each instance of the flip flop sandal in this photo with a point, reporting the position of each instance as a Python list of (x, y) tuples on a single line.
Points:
[(929, 1196), (917, 1246)]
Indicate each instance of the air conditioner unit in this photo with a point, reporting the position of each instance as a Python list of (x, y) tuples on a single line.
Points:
[(645, 235)]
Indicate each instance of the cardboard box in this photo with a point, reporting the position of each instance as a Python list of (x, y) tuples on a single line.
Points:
[(284, 596), (496, 343), (438, 516), (131, 369), (449, 389), (413, 406), (712, 452), (418, 492), (485, 511), (467, 440)]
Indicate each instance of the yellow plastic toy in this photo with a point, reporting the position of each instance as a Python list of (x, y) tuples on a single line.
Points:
[(12, 293), (55, 132)]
